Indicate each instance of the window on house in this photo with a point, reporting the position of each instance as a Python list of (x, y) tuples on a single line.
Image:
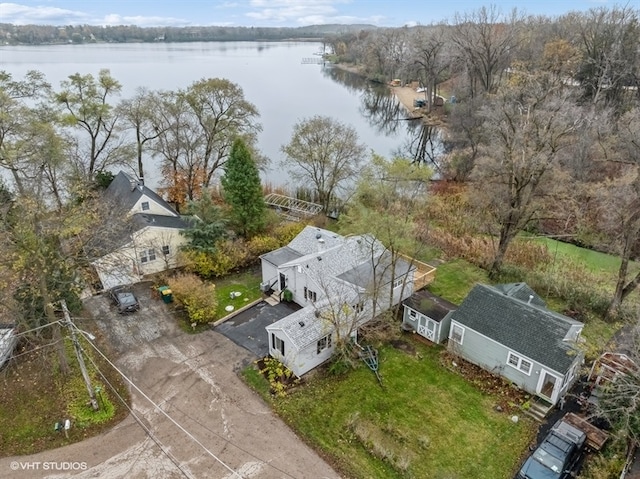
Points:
[(324, 343), (166, 250), (457, 333), (519, 363), (412, 313), (147, 255), (277, 343), (397, 283), (310, 295), (145, 206), (358, 308)]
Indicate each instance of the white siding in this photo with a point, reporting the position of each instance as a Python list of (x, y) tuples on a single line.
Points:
[(155, 208)]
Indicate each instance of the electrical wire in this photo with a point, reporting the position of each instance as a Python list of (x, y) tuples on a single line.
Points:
[(149, 433), (126, 378), (38, 328), (13, 356)]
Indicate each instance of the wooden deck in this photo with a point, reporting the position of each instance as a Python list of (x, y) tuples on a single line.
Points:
[(596, 437), (424, 275)]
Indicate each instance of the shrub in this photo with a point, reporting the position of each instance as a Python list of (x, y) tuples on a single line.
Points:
[(197, 297), (262, 244), (278, 375), (285, 232)]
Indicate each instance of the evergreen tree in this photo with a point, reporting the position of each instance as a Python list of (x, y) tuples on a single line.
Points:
[(243, 192)]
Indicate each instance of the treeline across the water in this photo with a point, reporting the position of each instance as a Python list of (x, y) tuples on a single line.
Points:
[(51, 34)]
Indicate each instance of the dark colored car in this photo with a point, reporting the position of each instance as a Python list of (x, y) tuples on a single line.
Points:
[(124, 299), (557, 455)]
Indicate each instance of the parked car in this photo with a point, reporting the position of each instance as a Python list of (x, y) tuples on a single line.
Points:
[(558, 454), (124, 299)]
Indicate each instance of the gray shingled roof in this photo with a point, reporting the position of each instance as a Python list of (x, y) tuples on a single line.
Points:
[(362, 274), (430, 305), (142, 220), (121, 192), (521, 291), (281, 256), (528, 329)]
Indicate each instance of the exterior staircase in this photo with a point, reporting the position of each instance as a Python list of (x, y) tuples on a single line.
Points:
[(273, 299), (539, 409)]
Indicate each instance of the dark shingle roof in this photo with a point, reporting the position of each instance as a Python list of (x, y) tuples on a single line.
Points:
[(142, 220), (525, 328), (125, 191), (429, 304), (281, 256)]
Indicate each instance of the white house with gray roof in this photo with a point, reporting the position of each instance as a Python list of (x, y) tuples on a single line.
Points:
[(341, 282), (144, 237), (507, 330)]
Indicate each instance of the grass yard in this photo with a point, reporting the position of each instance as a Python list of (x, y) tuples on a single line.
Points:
[(246, 283), (455, 279), (34, 396), (594, 260), (426, 422)]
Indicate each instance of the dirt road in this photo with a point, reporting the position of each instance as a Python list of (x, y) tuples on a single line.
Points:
[(221, 429)]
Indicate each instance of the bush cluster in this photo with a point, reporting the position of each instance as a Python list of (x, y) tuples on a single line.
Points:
[(197, 297), (232, 255)]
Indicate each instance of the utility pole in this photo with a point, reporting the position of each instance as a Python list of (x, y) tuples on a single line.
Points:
[(76, 345)]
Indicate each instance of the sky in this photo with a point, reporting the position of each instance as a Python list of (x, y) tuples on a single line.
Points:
[(267, 13)]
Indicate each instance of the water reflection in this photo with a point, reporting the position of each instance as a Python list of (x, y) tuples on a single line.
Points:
[(388, 116)]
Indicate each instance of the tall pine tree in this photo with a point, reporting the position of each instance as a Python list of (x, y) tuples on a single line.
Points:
[(243, 192)]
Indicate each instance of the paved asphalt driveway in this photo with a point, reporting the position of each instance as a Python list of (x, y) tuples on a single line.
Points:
[(219, 428), (247, 328)]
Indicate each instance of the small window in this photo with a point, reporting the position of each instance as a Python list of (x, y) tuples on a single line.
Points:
[(519, 363), (145, 205), (457, 333), (310, 295), (397, 283), (358, 308), (165, 250), (412, 313), (147, 255), (324, 343), (277, 343)]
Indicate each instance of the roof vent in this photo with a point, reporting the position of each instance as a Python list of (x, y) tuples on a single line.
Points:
[(301, 323), (319, 258), (530, 299), (318, 236)]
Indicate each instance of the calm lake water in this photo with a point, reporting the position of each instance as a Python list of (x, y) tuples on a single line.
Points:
[(272, 76)]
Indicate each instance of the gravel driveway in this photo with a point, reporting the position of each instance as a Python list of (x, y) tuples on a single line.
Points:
[(230, 432)]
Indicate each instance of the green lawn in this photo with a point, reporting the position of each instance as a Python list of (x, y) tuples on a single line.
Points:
[(455, 279), (594, 260), (246, 283), (426, 422)]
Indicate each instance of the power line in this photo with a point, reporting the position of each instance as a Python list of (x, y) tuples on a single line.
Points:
[(124, 376), (36, 329), (149, 433)]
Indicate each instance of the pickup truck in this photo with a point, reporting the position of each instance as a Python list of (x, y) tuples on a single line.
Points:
[(556, 457)]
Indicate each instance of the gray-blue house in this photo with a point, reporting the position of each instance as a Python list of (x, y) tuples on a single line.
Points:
[(507, 330)]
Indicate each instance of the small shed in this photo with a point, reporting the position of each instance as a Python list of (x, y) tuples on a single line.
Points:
[(428, 315)]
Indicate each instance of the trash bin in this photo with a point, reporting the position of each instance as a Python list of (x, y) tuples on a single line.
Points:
[(166, 294)]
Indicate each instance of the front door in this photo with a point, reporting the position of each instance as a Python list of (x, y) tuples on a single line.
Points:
[(547, 385), (283, 282), (426, 328)]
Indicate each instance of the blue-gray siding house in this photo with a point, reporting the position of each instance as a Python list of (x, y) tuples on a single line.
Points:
[(507, 330)]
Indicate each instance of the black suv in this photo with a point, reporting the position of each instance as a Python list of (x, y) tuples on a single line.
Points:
[(557, 455), (124, 299)]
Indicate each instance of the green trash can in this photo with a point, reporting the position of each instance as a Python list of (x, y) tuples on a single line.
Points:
[(166, 294)]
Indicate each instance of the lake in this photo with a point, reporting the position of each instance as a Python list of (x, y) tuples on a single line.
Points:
[(271, 74)]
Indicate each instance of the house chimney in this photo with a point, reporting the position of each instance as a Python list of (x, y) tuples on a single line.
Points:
[(530, 299)]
